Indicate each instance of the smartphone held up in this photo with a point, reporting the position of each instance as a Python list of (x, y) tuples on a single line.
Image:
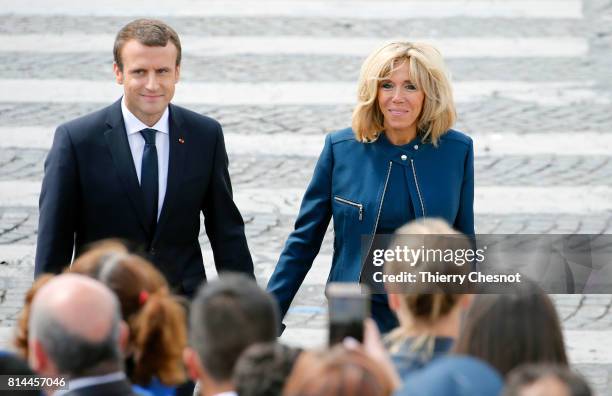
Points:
[(349, 306)]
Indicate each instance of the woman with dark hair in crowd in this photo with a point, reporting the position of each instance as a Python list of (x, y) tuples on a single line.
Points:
[(399, 161), (155, 317), (507, 330), (429, 313)]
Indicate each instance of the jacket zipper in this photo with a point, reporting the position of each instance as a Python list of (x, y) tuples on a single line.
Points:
[(417, 187), (382, 199), (355, 204)]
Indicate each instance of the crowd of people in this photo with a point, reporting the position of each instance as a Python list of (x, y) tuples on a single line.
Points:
[(111, 324)]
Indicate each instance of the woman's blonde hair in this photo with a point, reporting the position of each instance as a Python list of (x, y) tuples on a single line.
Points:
[(426, 303), (427, 72)]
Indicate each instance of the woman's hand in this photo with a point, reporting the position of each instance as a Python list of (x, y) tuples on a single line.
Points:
[(374, 348)]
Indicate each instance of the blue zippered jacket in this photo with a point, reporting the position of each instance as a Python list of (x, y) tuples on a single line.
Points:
[(349, 184)]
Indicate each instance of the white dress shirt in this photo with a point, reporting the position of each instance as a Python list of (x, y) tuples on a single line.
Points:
[(133, 126)]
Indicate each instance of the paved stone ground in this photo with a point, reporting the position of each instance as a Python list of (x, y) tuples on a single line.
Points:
[(323, 27), (283, 67), (497, 115), (282, 171), (587, 319)]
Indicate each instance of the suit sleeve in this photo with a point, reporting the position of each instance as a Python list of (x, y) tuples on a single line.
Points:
[(304, 243), (222, 220), (58, 205), (464, 221)]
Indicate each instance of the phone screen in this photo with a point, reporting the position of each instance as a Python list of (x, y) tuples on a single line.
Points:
[(347, 312)]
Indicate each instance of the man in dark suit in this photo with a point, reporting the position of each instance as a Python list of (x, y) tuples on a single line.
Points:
[(142, 169), (76, 332)]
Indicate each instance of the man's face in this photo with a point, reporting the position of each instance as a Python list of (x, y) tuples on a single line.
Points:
[(148, 77)]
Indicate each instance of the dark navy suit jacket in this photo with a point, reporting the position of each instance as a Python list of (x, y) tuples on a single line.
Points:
[(90, 191)]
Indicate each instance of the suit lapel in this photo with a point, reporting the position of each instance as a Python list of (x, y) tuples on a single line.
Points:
[(116, 138), (176, 163)]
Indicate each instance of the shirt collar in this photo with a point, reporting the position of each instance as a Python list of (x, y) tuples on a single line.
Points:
[(134, 125)]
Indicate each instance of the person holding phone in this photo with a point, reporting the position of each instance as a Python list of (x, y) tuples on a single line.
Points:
[(399, 161)]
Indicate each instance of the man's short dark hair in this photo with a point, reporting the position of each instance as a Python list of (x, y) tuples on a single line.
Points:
[(149, 32), (227, 316), (263, 369)]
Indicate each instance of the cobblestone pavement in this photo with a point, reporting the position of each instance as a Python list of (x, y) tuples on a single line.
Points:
[(282, 67), (267, 231), (282, 171), (498, 115), (323, 27), (587, 320)]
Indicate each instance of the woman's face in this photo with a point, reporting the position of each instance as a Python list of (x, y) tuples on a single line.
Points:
[(400, 102)]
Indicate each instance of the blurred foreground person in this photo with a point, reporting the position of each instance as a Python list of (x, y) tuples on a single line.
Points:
[(22, 332), (263, 369), (511, 329), (155, 317), (545, 380), (453, 376), (338, 372), (12, 365), (75, 330), (429, 314), (227, 316)]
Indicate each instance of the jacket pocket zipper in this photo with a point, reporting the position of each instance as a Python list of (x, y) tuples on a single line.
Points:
[(355, 204), (416, 182), (382, 199)]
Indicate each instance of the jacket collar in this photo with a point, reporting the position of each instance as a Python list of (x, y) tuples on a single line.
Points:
[(394, 153)]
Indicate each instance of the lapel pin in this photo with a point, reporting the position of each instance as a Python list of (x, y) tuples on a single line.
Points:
[(181, 140)]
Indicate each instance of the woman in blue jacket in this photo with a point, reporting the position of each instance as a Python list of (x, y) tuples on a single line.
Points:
[(399, 161)]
